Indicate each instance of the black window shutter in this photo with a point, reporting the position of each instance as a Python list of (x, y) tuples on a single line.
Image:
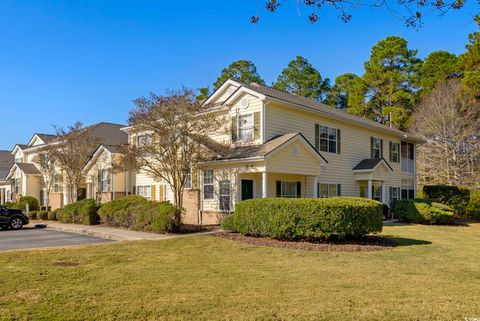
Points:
[(317, 137), (339, 189), (299, 189), (234, 128), (338, 141), (381, 148), (390, 151), (372, 154), (134, 190), (278, 185)]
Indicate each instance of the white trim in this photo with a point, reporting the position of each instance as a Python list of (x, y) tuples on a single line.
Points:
[(240, 91), (292, 140), (221, 89)]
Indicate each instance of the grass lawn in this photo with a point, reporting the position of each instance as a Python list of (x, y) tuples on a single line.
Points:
[(433, 275)]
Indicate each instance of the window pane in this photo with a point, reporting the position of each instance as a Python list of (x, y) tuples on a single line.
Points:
[(208, 191), (332, 133), (323, 145), (289, 189), (208, 176), (332, 146), (332, 190), (324, 132)]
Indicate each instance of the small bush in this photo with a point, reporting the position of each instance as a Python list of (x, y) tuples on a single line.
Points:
[(81, 212), (138, 213), (424, 212), (42, 215), (58, 215), (119, 212), (33, 204), (456, 197), (10, 205), (32, 215), (473, 208), (304, 218), (52, 215)]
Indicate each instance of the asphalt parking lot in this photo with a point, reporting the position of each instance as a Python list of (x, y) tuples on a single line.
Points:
[(30, 237)]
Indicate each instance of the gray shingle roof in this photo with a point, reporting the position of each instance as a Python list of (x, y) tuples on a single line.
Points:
[(251, 151), (370, 163), (47, 138), (316, 106), (6, 159), (28, 168)]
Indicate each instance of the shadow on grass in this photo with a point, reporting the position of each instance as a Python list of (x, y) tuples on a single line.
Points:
[(403, 241)]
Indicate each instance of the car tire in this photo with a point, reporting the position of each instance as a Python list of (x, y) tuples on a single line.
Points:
[(16, 223)]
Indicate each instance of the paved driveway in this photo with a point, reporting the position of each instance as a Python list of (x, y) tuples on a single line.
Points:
[(30, 237)]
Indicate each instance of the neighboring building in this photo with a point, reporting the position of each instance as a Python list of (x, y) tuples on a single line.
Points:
[(6, 161), (284, 145), (26, 178)]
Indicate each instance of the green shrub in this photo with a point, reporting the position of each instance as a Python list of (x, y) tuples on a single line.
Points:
[(120, 212), (156, 217), (42, 215), (424, 212), (304, 218), (456, 197), (81, 212), (138, 213), (473, 208), (32, 215), (58, 215), (10, 205), (52, 215), (33, 204)]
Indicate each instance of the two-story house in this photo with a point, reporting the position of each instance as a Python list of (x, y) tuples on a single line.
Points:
[(284, 145), (6, 162), (27, 179)]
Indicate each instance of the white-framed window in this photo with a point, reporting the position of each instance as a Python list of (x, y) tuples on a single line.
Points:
[(188, 180), (17, 185), (327, 139), (245, 128), (376, 147), (408, 189), (394, 152), (394, 195), (104, 180), (145, 191), (377, 192), (362, 190), (208, 187), (288, 189), (56, 184), (328, 190), (224, 196), (144, 140)]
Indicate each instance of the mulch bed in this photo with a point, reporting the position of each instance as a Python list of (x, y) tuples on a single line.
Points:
[(366, 244)]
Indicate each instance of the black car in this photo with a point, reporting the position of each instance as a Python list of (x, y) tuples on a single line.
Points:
[(12, 218)]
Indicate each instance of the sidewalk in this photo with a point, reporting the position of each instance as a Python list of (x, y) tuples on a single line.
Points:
[(113, 233)]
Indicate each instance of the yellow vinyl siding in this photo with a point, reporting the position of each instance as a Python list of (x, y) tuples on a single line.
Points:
[(355, 145), (285, 161)]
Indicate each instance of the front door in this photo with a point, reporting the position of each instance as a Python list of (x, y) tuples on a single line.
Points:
[(247, 189)]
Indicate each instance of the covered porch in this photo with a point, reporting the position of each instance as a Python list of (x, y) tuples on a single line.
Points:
[(371, 175)]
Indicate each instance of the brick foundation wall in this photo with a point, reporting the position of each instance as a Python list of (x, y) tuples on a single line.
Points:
[(56, 200), (191, 204), (212, 218)]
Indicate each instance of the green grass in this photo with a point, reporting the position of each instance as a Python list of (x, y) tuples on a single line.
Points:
[(433, 275)]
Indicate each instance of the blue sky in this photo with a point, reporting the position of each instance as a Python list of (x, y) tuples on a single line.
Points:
[(62, 61)]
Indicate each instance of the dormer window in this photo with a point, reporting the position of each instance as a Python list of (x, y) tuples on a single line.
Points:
[(246, 128)]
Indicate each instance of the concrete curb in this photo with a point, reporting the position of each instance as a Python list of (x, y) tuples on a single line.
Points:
[(116, 234)]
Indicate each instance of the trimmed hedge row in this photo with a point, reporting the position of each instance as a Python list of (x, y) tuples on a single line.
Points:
[(424, 211), (138, 213), (303, 218), (473, 209), (81, 212), (456, 197)]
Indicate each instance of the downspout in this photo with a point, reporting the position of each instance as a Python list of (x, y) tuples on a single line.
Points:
[(200, 183)]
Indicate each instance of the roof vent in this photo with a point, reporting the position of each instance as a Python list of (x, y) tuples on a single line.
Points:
[(254, 84)]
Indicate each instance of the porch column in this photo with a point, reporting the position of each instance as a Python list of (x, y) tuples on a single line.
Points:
[(315, 186), (264, 185), (369, 189), (384, 193), (112, 187), (2, 196)]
